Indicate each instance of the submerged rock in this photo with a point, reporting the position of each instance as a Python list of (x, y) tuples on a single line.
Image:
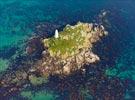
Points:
[(4, 63)]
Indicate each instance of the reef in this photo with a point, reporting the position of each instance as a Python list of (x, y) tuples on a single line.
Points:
[(62, 55)]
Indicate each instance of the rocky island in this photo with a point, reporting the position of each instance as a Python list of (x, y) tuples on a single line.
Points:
[(64, 53), (70, 49)]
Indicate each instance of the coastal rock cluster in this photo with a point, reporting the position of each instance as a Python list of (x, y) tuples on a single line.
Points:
[(64, 55), (71, 50)]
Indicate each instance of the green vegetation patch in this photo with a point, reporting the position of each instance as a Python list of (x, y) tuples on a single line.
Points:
[(70, 40)]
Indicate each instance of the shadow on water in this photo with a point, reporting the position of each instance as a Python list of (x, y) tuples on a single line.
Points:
[(6, 53)]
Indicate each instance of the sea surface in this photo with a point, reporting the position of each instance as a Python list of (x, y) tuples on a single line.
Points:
[(18, 21)]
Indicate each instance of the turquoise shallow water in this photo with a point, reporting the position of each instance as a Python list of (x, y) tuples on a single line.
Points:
[(18, 19)]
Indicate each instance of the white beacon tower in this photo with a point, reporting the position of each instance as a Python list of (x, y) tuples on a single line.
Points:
[(56, 34)]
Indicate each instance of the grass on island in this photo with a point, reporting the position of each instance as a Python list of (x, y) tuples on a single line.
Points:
[(70, 40)]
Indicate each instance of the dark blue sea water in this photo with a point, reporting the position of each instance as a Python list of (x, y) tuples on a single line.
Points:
[(18, 21)]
